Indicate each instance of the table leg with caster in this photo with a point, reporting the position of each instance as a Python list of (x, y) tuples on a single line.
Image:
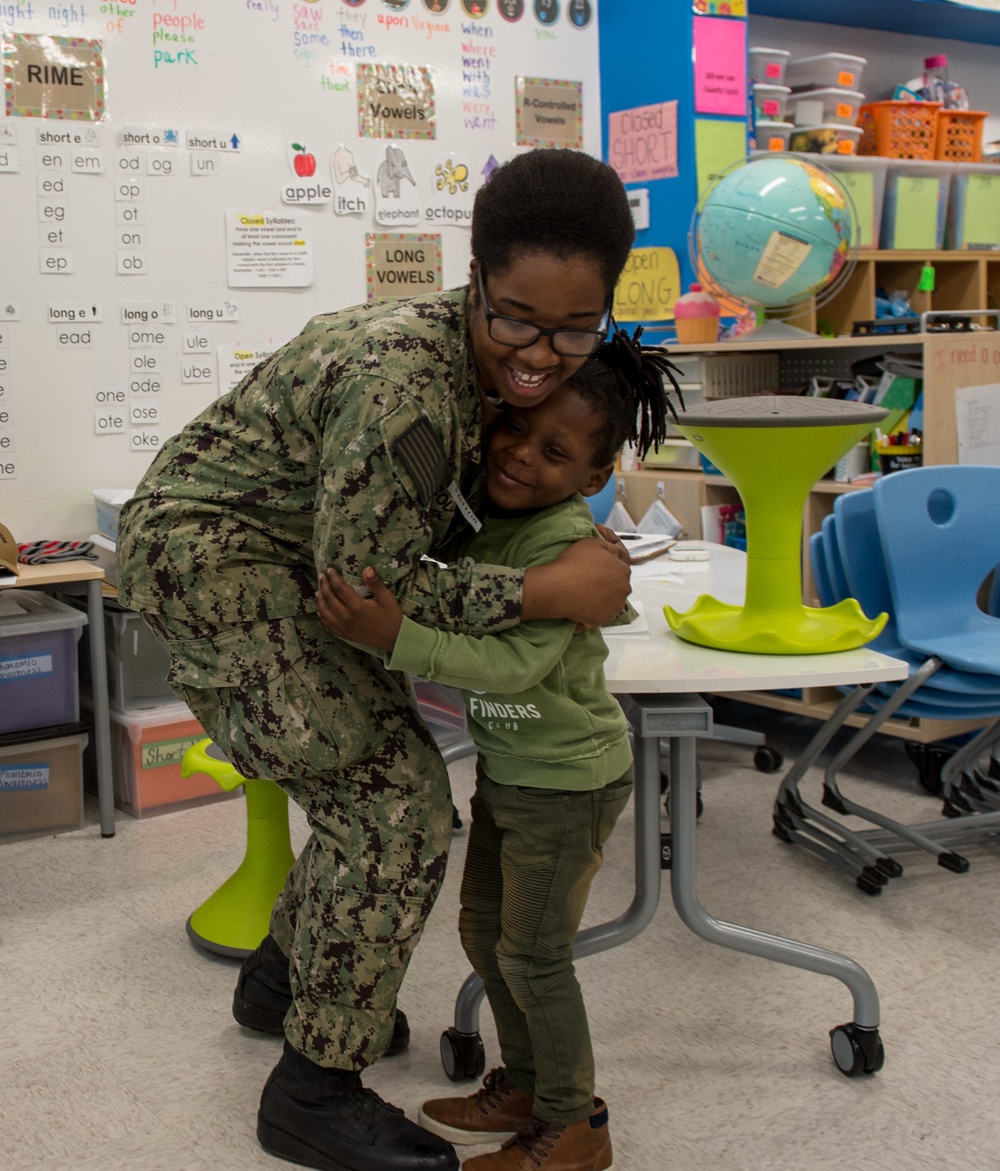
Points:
[(857, 1047)]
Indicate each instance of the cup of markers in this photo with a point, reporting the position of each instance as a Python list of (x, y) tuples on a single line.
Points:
[(898, 451)]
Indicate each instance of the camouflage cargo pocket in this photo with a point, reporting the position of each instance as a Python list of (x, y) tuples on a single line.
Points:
[(286, 707)]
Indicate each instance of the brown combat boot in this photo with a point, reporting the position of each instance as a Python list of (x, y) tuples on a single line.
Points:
[(547, 1146), (493, 1113)]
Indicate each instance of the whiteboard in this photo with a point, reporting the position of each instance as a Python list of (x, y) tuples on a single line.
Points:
[(122, 238)]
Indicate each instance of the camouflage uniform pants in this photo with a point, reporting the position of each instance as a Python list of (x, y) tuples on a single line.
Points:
[(341, 735)]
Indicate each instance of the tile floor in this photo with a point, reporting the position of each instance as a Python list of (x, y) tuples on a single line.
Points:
[(118, 1051)]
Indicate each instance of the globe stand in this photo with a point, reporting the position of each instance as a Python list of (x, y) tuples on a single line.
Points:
[(774, 449), (771, 330), (232, 921)]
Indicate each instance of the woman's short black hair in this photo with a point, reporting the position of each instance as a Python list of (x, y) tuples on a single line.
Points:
[(624, 383), (561, 202)]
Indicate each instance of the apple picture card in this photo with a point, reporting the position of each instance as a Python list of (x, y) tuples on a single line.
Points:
[(305, 186)]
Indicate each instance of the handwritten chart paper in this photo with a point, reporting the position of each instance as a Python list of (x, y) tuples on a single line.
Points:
[(649, 285), (642, 142), (720, 66), (977, 417)]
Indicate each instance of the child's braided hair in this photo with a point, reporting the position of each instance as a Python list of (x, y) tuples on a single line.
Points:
[(625, 383)]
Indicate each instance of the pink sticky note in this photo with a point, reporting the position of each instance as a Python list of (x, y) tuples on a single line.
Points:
[(720, 66)]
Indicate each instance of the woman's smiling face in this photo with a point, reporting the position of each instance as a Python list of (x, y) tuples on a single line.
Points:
[(547, 291)]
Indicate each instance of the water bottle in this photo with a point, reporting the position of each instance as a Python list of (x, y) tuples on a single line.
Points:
[(935, 78), (938, 87)]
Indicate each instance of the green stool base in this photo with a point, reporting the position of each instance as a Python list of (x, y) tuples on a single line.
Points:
[(234, 920), (712, 623)]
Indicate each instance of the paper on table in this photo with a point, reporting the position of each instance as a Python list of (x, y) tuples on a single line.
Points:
[(644, 547), (638, 625)]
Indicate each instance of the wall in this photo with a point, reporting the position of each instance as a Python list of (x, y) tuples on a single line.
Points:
[(114, 223)]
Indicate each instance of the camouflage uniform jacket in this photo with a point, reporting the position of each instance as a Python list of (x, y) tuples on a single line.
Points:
[(337, 450)]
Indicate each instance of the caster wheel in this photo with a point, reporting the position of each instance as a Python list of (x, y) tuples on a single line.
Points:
[(462, 1055), (767, 760), (856, 1050)]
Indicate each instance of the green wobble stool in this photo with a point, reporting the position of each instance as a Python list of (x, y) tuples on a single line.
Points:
[(234, 920), (774, 448)]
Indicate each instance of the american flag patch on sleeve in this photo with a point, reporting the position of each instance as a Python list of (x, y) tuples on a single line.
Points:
[(420, 450)]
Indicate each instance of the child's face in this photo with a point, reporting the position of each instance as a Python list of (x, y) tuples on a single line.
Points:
[(541, 456)]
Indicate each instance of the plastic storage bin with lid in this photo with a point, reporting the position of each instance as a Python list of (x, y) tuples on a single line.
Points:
[(864, 180), (974, 209), (109, 502), (825, 71), (147, 746), (770, 101), (830, 139), (915, 205), (137, 664), (772, 135), (39, 683), (768, 65), (41, 784), (826, 107)]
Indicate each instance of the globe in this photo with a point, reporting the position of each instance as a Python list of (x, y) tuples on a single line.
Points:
[(774, 231)]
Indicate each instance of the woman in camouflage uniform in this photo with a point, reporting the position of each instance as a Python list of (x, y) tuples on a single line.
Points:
[(356, 444)]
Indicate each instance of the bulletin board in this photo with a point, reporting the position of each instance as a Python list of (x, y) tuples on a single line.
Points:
[(674, 88), (183, 185)]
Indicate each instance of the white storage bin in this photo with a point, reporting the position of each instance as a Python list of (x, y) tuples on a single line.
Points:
[(864, 178), (826, 107), (773, 135), (105, 550), (109, 502), (825, 140), (769, 102), (915, 206), (768, 65), (826, 70), (39, 682)]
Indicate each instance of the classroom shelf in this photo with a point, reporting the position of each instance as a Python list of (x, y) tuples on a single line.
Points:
[(964, 281)]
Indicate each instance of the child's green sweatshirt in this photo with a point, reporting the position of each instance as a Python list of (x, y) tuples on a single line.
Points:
[(537, 705)]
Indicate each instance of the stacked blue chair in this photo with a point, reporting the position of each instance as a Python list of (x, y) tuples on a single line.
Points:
[(918, 546)]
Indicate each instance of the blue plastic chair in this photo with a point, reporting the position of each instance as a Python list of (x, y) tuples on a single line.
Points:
[(850, 551), (868, 580), (602, 502), (939, 533), (834, 560), (820, 570)]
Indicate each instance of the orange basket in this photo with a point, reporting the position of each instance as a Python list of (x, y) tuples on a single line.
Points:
[(898, 130), (960, 135)]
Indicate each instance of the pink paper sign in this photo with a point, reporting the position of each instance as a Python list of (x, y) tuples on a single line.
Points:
[(720, 66), (642, 142)]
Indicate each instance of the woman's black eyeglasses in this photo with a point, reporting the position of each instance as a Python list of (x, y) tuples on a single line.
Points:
[(512, 331)]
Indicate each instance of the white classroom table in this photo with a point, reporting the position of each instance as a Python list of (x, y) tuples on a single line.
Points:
[(90, 575), (658, 678)]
